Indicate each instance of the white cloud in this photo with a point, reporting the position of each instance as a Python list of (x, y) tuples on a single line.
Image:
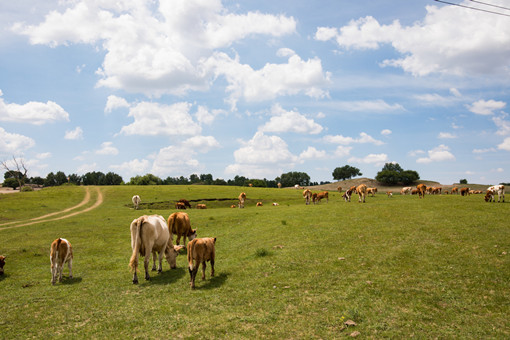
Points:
[(436, 44), (114, 102), (13, 143), (505, 145), (152, 119), (75, 134), (262, 156), (205, 116), (368, 106), (446, 135), (440, 153), (201, 144), (36, 113), (312, 153), (290, 121), (502, 125), (376, 159), (342, 151), (169, 162), (363, 138), (480, 151), (486, 108), (386, 132), (84, 168), (455, 92), (132, 168), (43, 155), (107, 148)]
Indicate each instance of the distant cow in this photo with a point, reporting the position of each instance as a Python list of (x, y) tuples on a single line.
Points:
[(436, 190), (233, 206), (200, 250), (201, 206), (489, 196), (136, 201), (61, 252), (406, 190), (361, 190), (180, 205), (279, 185), (151, 234), (500, 190), (242, 198), (339, 189), (455, 190), (180, 225), (2, 263), (259, 204), (275, 204), (347, 195), (307, 194), (464, 191), (322, 195), (389, 193), (422, 188), (185, 202), (371, 191)]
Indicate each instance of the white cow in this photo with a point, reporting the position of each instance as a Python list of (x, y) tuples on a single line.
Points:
[(406, 190), (151, 234), (136, 201), (500, 190)]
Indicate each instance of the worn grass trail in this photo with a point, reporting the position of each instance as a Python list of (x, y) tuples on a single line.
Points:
[(398, 267)]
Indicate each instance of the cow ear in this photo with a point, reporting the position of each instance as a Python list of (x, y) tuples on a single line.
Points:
[(215, 240)]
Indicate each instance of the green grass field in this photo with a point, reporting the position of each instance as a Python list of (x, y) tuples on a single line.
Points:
[(398, 267)]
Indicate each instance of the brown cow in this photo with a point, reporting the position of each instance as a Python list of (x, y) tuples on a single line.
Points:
[(180, 205), (455, 190), (259, 204), (61, 252), (307, 194), (464, 191), (179, 224), (436, 190), (361, 190), (242, 198), (422, 188), (200, 250), (347, 195), (339, 189), (322, 195), (201, 206), (2, 263), (389, 193), (150, 234), (489, 196), (371, 191), (185, 202)]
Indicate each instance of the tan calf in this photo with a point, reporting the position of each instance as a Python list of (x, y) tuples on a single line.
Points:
[(61, 252), (180, 225), (200, 250)]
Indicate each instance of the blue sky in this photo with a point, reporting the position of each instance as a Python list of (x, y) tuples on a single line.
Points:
[(255, 88)]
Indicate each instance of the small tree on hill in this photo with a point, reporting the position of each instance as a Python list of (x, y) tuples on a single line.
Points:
[(346, 172), (393, 174)]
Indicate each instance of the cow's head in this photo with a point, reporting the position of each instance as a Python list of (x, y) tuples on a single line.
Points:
[(2, 262), (192, 235), (171, 253)]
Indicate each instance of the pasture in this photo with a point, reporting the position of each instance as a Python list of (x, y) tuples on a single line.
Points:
[(397, 267)]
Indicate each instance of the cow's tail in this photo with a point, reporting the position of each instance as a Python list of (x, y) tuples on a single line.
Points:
[(171, 225), (59, 241), (137, 240), (191, 246)]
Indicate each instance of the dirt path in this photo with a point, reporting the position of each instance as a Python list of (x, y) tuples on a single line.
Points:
[(46, 218)]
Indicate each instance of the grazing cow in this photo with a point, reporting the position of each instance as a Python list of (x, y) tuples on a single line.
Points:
[(307, 194), (136, 201), (406, 190), (314, 198), (389, 193), (180, 225), (61, 252), (436, 190), (233, 206), (150, 234), (361, 190), (422, 188), (455, 190), (259, 204), (2, 263), (414, 192), (185, 202), (500, 189), (489, 196), (275, 204), (242, 198), (339, 189), (322, 195), (464, 192), (180, 205), (201, 206), (200, 250), (347, 195), (371, 191), (446, 192)]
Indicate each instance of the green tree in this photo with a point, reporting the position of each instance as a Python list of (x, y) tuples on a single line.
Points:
[(112, 178), (50, 180), (60, 178), (346, 172), (393, 174), (10, 183), (463, 181), (292, 178)]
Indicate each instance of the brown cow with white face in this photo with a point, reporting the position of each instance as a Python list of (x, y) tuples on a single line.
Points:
[(200, 250), (61, 252)]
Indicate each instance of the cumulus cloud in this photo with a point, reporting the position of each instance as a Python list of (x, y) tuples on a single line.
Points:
[(107, 148), (133, 167), (262, 156), (312, 153), (376, 159), (368, 106), (502, 125), (505, 145), (290, 121), (386, 132), (168, 163), (75, 134), (36, 113), (13, 143), (201, 144), (152, 119), (486, 108), (440, 153), (114, 102), (363, 138), (446, 135), (437, 44)]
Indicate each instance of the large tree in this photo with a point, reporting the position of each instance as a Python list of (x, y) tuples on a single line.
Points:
[(393, 174), (290, 179), (346, 172)]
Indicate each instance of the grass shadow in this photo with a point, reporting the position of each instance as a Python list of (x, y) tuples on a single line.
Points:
[(165, 277), (3, 276), (71, 281), (212, 282)]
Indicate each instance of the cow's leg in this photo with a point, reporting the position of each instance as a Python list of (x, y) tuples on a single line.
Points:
[(53, 273), (203, 270), (193, 275), (70, 265), (178, 239), (60, 270), (212, 267), (153, 261), (160, 269), (146, 261), (135, 278)]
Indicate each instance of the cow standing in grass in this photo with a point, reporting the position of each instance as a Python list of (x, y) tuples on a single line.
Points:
[(136, 201), (422, 188), (242, 199), (180, 225), (499, 189), (61, 252), (200, 250), (307, 194), (361, 190)]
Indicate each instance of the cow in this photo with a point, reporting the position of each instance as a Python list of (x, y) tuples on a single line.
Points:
[(436, 190), (307, 194), (322, 195), (136, 201), (339, 189), (464, 191), (406, 190), (201, 206), (2, 263), (185, 202), (500, 189), (361, 190), (275, 204), (489, 196), (61, 252), (179, 224), (241, 198), (414, 192), (279, 185), (150, 234), (180, 205), (200, 250), (259, 204), (422, 188), (455, 190), (233, 206), (314, 198), (371, 191), (389, 193), (347, 195)]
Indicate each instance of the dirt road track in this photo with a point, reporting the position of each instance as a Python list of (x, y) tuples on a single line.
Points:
[(47, 217)]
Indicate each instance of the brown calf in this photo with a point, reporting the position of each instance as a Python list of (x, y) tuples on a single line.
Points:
[(2, 263), (180, 205), (201, 206), (200, 250), (180, 225), (61, 252)]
